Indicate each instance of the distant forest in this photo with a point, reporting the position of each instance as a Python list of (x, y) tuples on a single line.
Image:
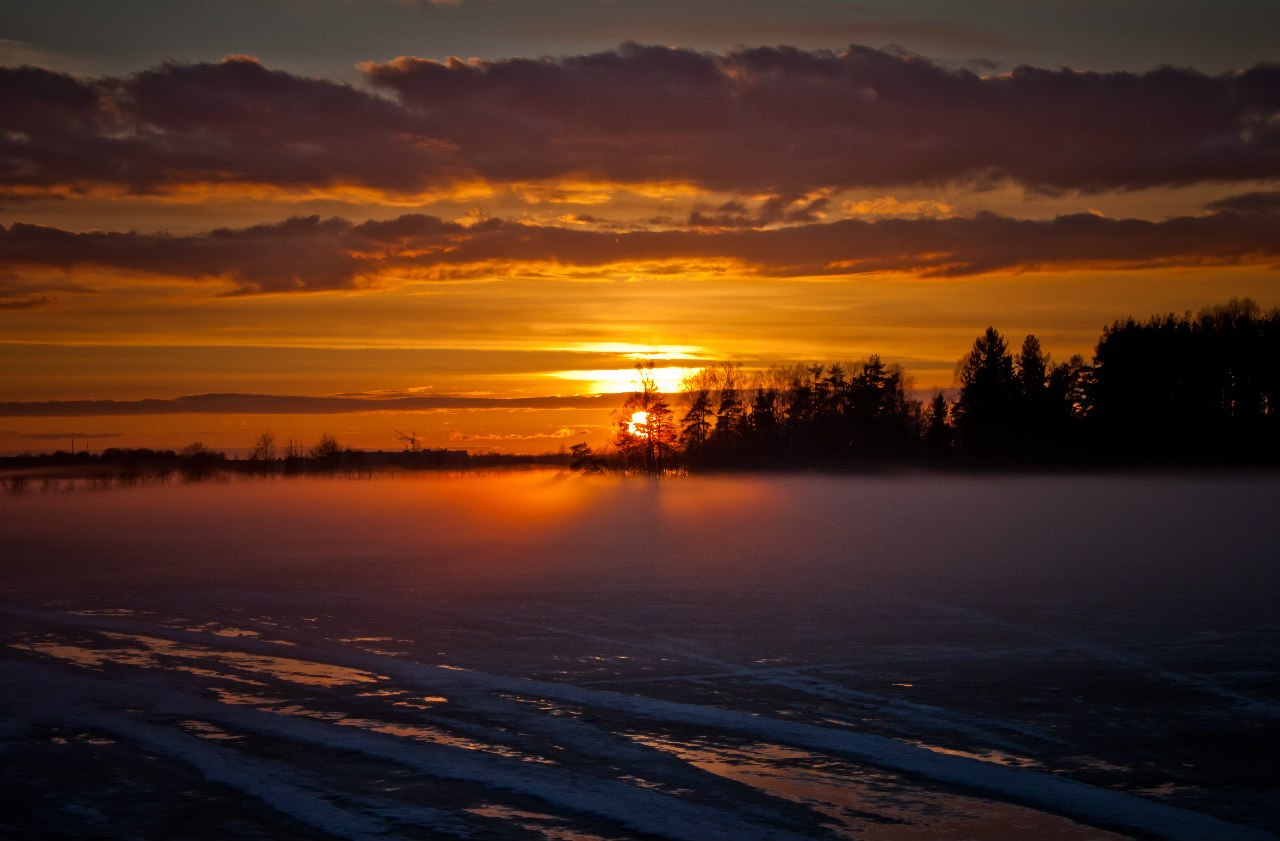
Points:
[(118, 466), (1171, 390)]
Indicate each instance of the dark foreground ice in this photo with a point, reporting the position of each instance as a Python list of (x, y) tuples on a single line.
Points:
[(543, 655)]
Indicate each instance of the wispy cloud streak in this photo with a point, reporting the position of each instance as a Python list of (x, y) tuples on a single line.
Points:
[(277, 404)]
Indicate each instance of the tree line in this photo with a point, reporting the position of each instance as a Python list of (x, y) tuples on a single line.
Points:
[(124, 466), (1170, 390)]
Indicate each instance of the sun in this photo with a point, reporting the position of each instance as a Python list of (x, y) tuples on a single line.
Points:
[(638, 425)]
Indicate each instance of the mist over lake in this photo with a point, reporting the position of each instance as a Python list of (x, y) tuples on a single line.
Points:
[(1003, 536), (543, 654)]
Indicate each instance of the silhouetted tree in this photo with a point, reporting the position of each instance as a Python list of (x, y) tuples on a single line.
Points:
[(646, 430), (1031, 367), (584, 460), (1031, 370), (198, 461), (264, 447), (800, 417), (725, 439), (879, 418), (696, 424), (1067, 403), (985, 413), (763, 426), (937, 428), (1184, 388), (195, 450), (326, 449)]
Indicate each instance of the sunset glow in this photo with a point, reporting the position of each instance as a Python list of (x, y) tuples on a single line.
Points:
[(643, 420), (614, 381), (527, 229)]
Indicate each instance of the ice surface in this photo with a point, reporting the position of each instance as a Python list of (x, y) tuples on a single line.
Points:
[(546, 655)]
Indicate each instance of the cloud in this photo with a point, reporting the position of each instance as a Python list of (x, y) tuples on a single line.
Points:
[(1258, 202), (562, 432), (778, 209), (30, 303), (787, 120), (276, 404), (304, 253), (26, 294), (773, 121), (62, 436), (177, 125), (890, 206), (14, 52), (312, 254)]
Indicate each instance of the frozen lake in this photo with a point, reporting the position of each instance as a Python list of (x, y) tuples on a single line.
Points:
[(546, 655)]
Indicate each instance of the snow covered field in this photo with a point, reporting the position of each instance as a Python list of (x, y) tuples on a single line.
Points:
[(545, 655)]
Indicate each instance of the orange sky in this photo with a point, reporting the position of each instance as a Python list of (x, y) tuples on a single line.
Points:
[(528, 230)]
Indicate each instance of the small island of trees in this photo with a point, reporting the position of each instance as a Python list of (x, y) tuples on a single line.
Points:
[(1171, 390)]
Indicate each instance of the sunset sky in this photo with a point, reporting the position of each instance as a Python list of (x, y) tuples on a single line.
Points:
[(469, 219)]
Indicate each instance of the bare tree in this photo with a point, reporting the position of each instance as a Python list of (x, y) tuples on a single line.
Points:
[(326, 448), (195, 450), (264, 447)]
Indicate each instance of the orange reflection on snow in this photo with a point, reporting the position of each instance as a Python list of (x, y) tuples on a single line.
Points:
[(153, 652), (847, 793)]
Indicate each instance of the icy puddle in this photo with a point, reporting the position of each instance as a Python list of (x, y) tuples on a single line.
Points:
[(542, 825), (871, 805), (155, 653)]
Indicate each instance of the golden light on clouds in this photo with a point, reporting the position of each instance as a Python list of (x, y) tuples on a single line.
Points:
[(637, 351), (597, 192), (532, 227), (891, 206), (618, 380)]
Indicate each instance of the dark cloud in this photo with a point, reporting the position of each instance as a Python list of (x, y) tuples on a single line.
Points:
[(275, 404), (303, 253), (787, 210), (29, 303), (179, 125), (1259, 202), (768, 120), (17, 293), (309, 253)]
